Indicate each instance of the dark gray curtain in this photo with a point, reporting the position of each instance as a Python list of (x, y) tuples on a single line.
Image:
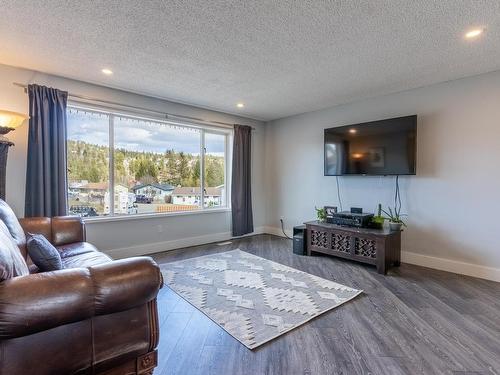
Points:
[(46, 186), (241, 191)]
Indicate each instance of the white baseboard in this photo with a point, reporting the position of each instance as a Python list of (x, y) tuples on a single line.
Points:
[(157, 247), (443, 264), (277, 231), (469, 269)]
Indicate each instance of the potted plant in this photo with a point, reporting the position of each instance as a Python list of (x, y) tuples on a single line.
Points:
[(394, 217), (377, 221), (320, 214)]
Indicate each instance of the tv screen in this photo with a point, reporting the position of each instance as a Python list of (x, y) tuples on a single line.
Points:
[(385, 147)]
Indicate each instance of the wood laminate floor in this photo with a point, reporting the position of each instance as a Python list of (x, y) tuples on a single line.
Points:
[(415, 320)]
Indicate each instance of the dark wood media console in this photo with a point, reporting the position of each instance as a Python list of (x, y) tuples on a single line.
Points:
[(380, 247)]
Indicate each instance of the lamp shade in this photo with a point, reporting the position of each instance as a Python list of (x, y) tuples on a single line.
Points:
[(11, 120)]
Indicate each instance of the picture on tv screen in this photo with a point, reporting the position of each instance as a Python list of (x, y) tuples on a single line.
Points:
[(384, 147)]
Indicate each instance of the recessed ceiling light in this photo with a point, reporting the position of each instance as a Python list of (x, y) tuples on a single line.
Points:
[(240, 105), (473, 33), (108, 72), (353, 131)]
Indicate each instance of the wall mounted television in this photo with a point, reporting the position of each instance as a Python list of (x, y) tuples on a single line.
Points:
[(376, 148)]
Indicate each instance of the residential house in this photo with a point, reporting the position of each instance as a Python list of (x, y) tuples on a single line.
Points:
[(123, 201), (192, 196), (159, 192)]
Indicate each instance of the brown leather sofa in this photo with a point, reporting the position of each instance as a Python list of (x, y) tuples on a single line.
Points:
[(96, 316)]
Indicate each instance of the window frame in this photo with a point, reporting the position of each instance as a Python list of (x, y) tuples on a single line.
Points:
[(204, 129)]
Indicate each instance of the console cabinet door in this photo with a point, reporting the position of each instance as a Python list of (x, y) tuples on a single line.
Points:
[(368, 249), (318, 238)]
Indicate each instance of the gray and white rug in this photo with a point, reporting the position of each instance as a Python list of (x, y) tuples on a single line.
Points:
[(254, 299)]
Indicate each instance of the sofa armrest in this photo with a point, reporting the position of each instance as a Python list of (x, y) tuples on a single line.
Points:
[(37, 302), (124, 284)]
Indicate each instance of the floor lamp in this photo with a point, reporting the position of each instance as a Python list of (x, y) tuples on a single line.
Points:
[(8, 121)]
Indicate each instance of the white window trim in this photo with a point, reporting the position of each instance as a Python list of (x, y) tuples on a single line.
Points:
[(100, 219), (112, 113)]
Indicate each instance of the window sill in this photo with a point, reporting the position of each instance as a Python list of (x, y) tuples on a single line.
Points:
[(102, 219)]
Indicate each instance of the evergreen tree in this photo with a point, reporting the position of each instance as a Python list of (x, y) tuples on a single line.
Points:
[(91, 162)]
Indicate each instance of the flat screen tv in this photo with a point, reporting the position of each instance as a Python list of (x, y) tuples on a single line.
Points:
[(376, 148)]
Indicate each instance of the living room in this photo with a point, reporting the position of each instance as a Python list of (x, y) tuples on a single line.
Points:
[(186, 144)]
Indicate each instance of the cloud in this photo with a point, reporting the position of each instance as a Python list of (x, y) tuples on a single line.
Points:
[(138, 135), (91, 130)]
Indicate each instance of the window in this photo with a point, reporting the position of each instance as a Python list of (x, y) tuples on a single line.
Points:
[(122, 165), (88, 162), (214, 167)]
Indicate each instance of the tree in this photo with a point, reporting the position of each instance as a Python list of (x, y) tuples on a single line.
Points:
[(120, 172), (214, 171), (93, 174), (91, 162), (183, 169), (146, 168), (195, 173)]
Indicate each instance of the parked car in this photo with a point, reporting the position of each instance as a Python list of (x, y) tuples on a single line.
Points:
[(141, 198), (83, 211)]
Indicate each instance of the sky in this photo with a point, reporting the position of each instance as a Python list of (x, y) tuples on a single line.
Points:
[(136, 135)]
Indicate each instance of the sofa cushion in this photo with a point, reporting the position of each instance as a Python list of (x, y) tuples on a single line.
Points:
[(43, 253), (81, 254), (75, 248), (12, 263), (87, 259)]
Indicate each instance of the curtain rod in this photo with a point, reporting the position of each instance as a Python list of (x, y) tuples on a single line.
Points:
[(163, 114)]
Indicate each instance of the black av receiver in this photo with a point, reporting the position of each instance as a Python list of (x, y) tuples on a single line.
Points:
[(350, 219)]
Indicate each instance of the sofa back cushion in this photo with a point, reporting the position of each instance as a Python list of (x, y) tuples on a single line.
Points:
[(8, 217), (12, 263)]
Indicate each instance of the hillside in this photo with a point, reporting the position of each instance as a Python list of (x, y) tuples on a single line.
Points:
[(91, 162)]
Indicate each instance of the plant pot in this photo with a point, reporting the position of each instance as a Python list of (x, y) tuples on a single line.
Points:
[(377, 224), (395, 226)]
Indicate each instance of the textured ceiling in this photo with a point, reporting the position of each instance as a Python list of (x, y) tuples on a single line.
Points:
[(278, 57)]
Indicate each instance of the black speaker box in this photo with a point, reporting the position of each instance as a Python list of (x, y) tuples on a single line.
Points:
[(299, 240)]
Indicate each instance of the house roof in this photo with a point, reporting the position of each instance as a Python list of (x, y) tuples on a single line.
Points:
[(165, 187), (95, 186), (98, 186), (185, 190)]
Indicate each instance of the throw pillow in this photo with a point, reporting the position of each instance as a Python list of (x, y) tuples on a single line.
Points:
[(43, 253)]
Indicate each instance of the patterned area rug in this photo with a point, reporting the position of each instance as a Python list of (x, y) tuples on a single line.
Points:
[(254, 299)]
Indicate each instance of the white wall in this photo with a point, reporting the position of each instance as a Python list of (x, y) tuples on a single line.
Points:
[(129, 237), (454, 201)]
